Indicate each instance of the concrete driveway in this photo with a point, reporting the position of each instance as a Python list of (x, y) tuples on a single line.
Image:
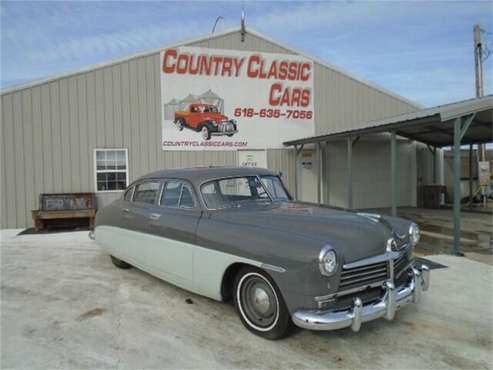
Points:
[(64, 305)]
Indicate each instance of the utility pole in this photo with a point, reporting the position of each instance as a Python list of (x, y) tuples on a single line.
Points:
[(478, 67), (478, 61)]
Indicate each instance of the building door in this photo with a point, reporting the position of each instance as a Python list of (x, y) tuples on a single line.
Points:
[(307, 172), (252, 158)]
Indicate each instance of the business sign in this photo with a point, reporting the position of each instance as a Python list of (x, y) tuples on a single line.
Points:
[(216, 99)]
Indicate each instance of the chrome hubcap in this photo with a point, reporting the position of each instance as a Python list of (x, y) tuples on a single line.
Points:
[(261, 301), (258, 302)]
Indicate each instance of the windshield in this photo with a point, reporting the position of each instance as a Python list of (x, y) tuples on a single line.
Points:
[(234, 192), (210, 108), (242, 191), (275, 187)]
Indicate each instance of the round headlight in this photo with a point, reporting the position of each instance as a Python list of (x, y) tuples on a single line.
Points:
[(327, 261), (414, 234)]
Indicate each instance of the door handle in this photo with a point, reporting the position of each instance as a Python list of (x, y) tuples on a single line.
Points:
[(125, 210), (154, 216)]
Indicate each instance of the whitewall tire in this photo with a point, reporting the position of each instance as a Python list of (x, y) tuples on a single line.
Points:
[(260, 305)]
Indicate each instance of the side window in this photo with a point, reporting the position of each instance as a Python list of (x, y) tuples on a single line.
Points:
[(177, 194), (146, 192), (171, 194), (128, 194), (186, 200)]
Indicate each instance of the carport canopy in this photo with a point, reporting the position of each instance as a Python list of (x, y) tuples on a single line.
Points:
[(455, 124)]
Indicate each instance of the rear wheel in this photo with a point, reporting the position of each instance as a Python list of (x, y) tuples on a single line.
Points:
[(120, 264), (180, 124), (260, 305)]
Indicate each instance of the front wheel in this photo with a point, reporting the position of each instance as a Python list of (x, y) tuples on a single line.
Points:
[(260, 305)]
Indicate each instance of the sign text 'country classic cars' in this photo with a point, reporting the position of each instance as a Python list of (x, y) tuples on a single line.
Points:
[(226, 99)]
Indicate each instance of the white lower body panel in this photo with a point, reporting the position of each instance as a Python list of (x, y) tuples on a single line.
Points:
[(188, 266)]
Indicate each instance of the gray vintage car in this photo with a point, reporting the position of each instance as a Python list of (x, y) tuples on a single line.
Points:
[(236, 234)]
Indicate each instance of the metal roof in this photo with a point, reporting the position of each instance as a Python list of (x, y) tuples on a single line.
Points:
[(433, 126), (190, 42)]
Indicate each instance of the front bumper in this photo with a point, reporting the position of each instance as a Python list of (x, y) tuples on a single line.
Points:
[(393, 299), (223, 133)]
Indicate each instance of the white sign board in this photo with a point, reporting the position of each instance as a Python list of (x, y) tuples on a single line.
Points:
[(252, 158), (216, 99)]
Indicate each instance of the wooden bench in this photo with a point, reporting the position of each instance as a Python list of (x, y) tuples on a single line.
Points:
[(64, 206)]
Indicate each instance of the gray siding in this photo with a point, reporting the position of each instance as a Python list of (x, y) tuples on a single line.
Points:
[(283, 161), (343, 103), (371, 173), (49, 131)]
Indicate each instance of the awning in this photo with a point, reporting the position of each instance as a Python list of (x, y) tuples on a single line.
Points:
[(455, 124), (432, 126)]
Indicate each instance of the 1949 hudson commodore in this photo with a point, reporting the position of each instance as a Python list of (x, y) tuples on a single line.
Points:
[(235, 233)]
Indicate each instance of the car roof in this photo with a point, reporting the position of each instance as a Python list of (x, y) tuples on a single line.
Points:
[(198, 175)]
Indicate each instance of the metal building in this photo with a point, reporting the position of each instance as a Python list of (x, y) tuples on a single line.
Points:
[(51, 129)]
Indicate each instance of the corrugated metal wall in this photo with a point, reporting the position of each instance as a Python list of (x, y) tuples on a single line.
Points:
[(49, 131)]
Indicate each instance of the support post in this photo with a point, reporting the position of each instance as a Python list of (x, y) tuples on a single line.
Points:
[(296, 172), (393, 172), (326, 174), (460, 129), (434, 168), (319, 166), (470, 175), (349, 172), (456, 167)]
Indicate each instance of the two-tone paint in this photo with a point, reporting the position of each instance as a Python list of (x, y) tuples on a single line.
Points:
[(197, 248)]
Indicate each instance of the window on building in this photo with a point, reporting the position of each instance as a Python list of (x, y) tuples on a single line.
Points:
[(111, 169)]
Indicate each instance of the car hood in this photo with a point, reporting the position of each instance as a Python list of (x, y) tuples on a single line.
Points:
[(216, 117), (354, 236)]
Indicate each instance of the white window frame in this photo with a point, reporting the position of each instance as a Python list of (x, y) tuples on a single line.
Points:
[(96, 171)]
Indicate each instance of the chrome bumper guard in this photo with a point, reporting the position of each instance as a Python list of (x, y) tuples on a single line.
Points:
[(393, 299)]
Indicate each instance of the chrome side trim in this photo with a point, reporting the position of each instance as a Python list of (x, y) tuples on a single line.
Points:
[(266, 266), (375, 217)]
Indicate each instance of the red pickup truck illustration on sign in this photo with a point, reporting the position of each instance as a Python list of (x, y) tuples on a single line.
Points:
[(206, 119)]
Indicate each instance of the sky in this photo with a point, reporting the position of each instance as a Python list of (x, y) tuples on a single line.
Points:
[(422, 50)]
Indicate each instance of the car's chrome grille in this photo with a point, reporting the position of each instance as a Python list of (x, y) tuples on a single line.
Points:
[(371, 274), (364, 275), (401, 264), (227, 127)]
